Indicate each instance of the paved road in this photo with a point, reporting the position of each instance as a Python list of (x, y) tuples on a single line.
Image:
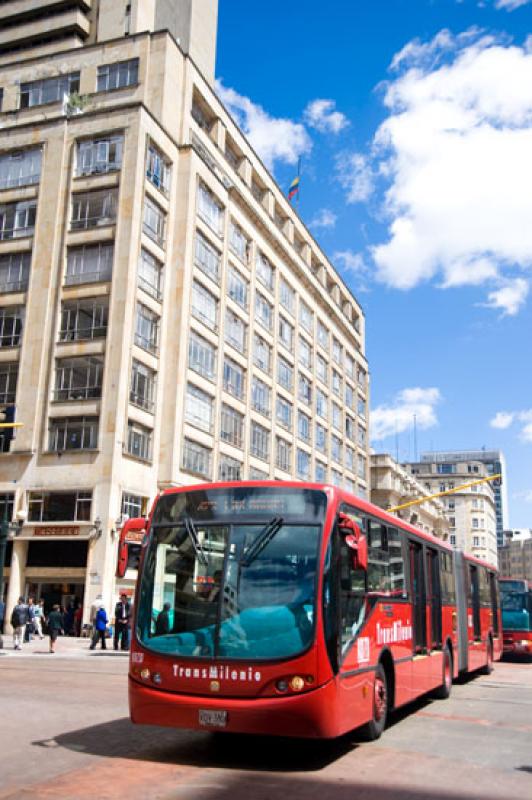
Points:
[(65, 734)]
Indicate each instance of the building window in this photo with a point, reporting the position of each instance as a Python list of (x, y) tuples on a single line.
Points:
[(20, 168), (86, 319), (234, 378), (17, 219), (305, 353), (237, 287), (321, 439), (229, 469), (199, 408), (59, 506), (158, 169), (196, 459), (257, 474), (452, 539), (78, 378), (260, 397), (11, 320), (133, 505), (350, 427), (89, 264), (303, 426), (304, 389), (362, 437), (207, 257), (306, 317), (286, 334), (336, 477), (117, 76), (139, 441), (201, 356), (91, 209), (320, 472), (361, 407), (262, 354), (49, 90), (349, 396), (210, 209), (263, 311), (336, 383), (285, 374), (146, 329), (321, 404), (150, 274), (6, 506), (73, 433), (154, 222), (474, 522), (287, 296), (204, 306), (96, 156), (337, 416), (235, 331), (476, 541), (303, 465), (8, 383), (143, 382), (336, 351), (283, 454), (264, 271), (362, 467), (336, 449), (239, 242), (283, 412), (232, 426), (260, 441), (323, 336), (361, 378), (350, 458), (350, 366), (14, 272), (321, 368)]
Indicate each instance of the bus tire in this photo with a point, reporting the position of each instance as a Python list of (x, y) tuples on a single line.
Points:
[(444, 691), (487, 669), (373, 729)]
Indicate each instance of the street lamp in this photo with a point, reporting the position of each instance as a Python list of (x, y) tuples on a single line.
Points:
[(96, 529), (5, 528)]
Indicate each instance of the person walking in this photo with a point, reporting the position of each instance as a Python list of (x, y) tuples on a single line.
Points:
[(162, 623), (19, 618), (30, 624), (122, 620), (100, 628), (55, 626), (39, 619)]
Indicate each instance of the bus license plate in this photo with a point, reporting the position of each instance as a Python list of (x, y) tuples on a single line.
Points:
[(214, 719)]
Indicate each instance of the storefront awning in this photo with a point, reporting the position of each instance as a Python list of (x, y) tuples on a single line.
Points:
[(54, 532)]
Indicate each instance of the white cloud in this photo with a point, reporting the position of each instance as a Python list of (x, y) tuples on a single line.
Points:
[(355, 175), (321, 114), (274, 138), (324, 218), (502, 420), (455, 152), (509, 298), (387, 420), (511, 5)]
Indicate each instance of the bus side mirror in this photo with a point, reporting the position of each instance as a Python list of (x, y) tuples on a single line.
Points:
[(355, 540), (132, 532)]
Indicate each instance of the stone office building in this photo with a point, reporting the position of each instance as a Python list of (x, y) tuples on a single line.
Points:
[(166, 317)]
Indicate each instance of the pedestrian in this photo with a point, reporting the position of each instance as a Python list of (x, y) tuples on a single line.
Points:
[(39, 619), (30, 624), (2, 614), (55, 626), (162, 623), (78, 616), (100, 628), (19, 618), (122, 620)]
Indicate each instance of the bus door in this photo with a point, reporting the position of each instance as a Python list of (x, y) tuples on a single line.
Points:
[(494, 601), (474, 595), (418, 594), (434, 599)]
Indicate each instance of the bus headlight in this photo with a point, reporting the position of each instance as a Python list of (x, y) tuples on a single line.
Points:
[(281, 685), (297, 684), (145, 674)]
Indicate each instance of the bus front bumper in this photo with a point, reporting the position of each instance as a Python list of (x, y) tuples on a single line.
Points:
[(308, 715)]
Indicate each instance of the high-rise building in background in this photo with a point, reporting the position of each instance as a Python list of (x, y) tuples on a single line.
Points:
[(515, 556), (166, 317), (495, 464), (471, 512)]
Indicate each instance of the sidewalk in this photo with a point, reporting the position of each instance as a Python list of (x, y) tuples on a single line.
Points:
[(65, 647)]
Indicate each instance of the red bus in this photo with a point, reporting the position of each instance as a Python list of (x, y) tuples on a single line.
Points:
[(298, 609), (516, 606)]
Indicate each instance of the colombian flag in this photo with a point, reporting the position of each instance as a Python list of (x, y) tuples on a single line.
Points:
[(294, 188)]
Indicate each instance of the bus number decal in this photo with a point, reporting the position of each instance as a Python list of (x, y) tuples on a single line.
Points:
[(363, 649)]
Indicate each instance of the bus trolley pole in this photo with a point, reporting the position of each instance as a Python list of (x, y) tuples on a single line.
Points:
[(420, 500), (5, 528)]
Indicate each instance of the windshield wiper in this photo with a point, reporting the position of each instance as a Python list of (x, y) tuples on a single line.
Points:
[(261, 541), (193, 536)]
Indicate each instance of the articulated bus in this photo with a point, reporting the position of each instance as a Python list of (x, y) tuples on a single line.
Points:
[(516, 605), (299, 610)]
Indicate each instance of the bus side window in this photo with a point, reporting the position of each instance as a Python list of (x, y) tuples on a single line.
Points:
[(386, 571), (352, 597)]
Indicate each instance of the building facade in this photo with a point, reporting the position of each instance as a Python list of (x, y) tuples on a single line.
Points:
[(393, 485), (495, 464), (515, 556), (166, 316), (471, 512)]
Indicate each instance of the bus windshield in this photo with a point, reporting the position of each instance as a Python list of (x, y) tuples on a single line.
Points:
[(232, 573)]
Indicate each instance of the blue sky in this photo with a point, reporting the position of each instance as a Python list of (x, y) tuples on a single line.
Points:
[(413, 120)]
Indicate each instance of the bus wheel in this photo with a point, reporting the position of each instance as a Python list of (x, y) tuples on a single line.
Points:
[(373, 729), (443, 691), (487, 669)]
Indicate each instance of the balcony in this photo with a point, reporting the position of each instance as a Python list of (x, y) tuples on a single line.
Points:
[(26, 22)]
